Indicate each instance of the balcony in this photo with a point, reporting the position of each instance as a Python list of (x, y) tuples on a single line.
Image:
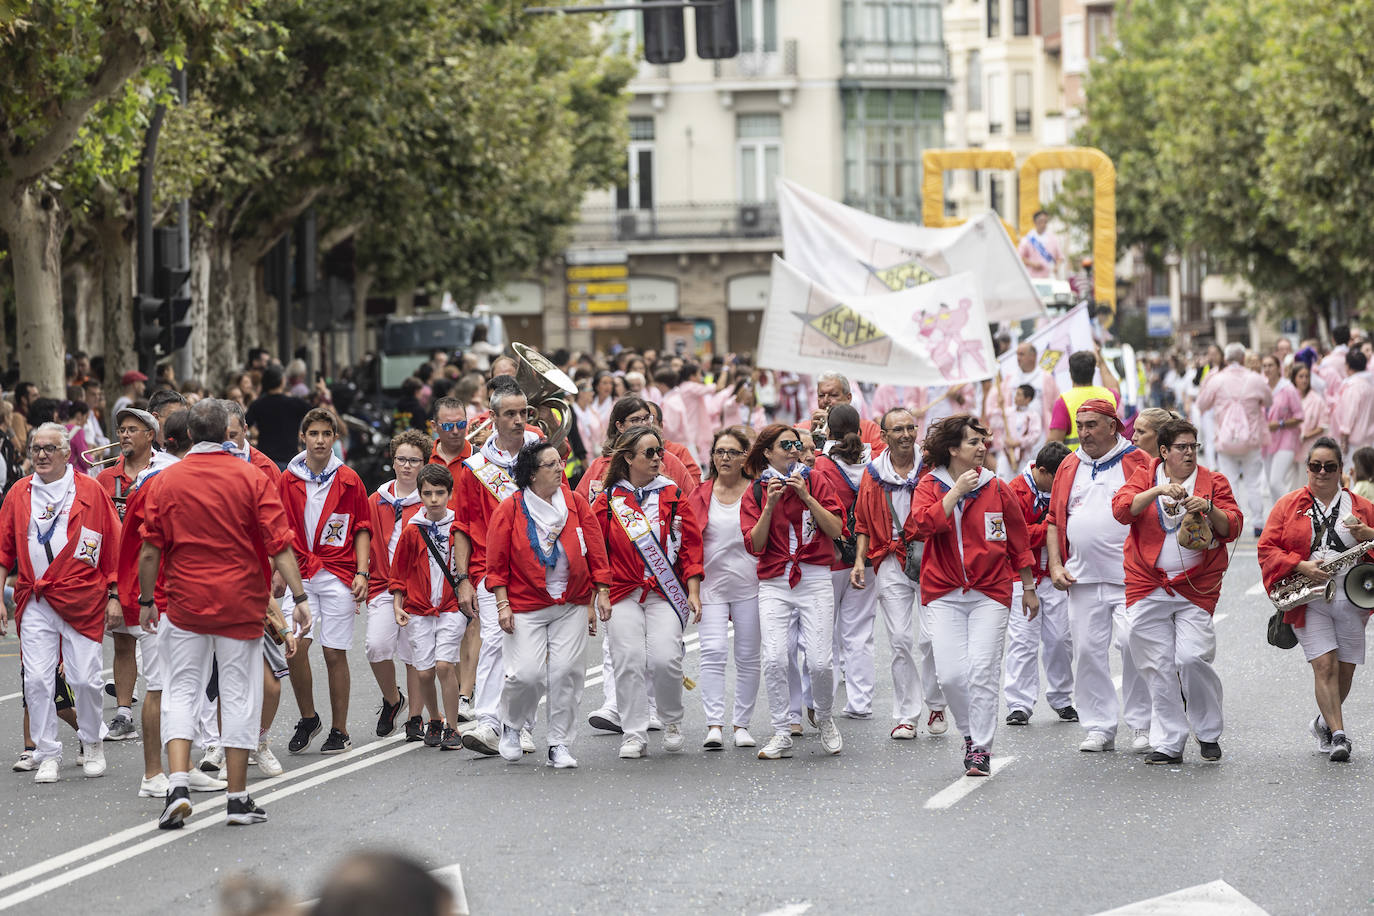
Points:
[(678, 221), (755, 62), (868, 59)]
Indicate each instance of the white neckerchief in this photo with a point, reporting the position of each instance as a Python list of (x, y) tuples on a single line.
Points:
[(316, 492), (387, 494), (50, 505), (904, 485), (440, 532), (1171, 513), (497, 456), (549, 517), (854, 472), (647, 497), (943, 475)]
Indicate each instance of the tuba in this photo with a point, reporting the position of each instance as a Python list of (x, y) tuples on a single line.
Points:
[(547, 389)]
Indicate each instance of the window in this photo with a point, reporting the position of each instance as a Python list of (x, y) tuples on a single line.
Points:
[(760, 156), (1099, 33), (638, 191), (1021, 94), (995, 185), (928, 28), (997, 103), (975, 81), (885, 133), (1073, 43), (1020, 17), (994, 18), (758, 25)]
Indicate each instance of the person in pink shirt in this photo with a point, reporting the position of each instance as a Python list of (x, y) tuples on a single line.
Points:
[(1285, 424), (1316, 415), (1239, 398), (1039, 249), (1354, 412)]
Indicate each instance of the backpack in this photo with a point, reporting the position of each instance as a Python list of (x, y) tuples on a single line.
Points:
[(1233, 435)]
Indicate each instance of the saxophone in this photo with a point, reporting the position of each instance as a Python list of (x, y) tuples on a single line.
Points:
[(1296, 589)]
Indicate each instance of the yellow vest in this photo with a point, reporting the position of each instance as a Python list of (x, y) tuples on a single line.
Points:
[(1074, 398)]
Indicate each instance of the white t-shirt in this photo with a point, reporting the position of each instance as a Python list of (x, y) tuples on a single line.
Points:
[(1173, 557), (1097, 541), (731, 574)]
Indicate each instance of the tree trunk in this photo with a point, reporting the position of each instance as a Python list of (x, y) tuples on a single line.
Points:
[(405, 303), (114, 236), (83, 276), (33, 223), (221, 324), (242, 299), (198, 346), (362, 285)]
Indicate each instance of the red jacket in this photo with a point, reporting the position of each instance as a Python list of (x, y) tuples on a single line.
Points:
[(1037, 523), (873, 518), (968, 559), (217, 522), (689, 464), (78, 590), (512, 562), (628, 573), (475, 505), (1202, 584), (410, 574), (1131, 461), (384, 522), (590, 484), (813, 546), (130, 546), (838, 481), (260, 461), (347, 497), (1287, 540)]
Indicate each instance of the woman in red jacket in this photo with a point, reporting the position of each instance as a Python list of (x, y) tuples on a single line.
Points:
[(788, 519), (653, 544), (1305, 528), (544, 561), (1171, 591), (975, 544)]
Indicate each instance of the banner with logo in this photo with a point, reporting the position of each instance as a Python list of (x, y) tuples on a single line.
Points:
[(935, 333), (855, 253), (1056, 339)]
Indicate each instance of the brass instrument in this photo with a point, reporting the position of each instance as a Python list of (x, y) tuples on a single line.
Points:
[(102, 455), (1295, 589), (547, 389)]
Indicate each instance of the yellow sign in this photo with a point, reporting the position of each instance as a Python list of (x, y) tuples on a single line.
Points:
[(598, 272), (598, 306), (586, 290)]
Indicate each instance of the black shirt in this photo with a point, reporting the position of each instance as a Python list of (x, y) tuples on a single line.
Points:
[(278, 419)]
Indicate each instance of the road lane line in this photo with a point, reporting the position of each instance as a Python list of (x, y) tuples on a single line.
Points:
[(792, 909), (950, 795)]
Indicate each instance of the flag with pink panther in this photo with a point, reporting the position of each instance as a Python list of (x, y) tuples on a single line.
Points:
[(934, 333)]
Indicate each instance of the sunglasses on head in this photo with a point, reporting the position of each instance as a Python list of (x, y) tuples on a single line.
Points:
[(1330, 467)]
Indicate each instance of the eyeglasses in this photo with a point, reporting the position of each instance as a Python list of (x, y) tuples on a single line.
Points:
[(44, 449), (453, 426), (653, 452), (791, 445), (555, 463), (1317, 467), (407, 462), (901, 430), (727, 454), (641, 419), (1184, 447), (132, 430)]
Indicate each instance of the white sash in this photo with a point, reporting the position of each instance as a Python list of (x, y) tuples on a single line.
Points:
[(492, 476), (637, 528)]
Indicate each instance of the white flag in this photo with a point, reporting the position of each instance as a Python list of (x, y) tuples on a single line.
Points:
[(1069, 333), (932, 334), (857, 253)]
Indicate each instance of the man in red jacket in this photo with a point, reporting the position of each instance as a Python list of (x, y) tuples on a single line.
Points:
[(212, 524), (59, 532)]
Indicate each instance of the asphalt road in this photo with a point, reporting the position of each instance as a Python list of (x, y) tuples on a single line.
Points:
[(1054, 830)]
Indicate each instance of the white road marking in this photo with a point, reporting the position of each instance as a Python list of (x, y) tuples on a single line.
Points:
[(951, 794), (792, 909), (452, 877), (14, 696), (1216, 898), (1256, 589)]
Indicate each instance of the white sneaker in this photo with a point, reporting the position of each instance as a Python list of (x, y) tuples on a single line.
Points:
[(526, 741), (47, 771), (465, 713), (154, 786), (510, 744), (605, 719), (632, 749), (715, 739), (94, 764), (483, 740), (1140, 740), (267, 762), (777, 746), (201, 781), (213, 761), (655, 723), (673, 738), (560, 758), (830, 736), (937, 724), (26, 763), (1096, 742), (904, 730), (742, 738)]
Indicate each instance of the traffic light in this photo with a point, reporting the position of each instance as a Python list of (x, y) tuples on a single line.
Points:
[(147, 323), (665, 36), (717, 30), (169, 290)]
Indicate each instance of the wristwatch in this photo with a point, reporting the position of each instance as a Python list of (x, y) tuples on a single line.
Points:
[(147, 603), (297, 599), (461, 577)]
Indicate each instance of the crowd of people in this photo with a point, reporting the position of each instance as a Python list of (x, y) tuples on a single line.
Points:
[(995, 527)]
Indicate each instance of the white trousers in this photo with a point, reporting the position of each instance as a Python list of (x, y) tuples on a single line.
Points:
[(384, 640), (812, 603), (44, 640), (968, 629), (1094, 608), (187, 658), (608, 701), (490, 673), (1027, 639), (1246, 474), (897, 596), (1279, 473), (856, 611), (546, 647), (714, 630), (1173, 641), (646, 647)]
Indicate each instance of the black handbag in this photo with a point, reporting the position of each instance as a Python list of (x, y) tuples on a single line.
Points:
[(1280, 635)]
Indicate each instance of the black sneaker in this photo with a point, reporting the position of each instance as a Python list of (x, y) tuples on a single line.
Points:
[(245, 812), (336, 743), (387, 713), (1067, 714), (1211, 750), (434, 735), (452, 740), (415, 729), (177, 809), (978, 762), (1340, 747), (1018, 717), (1159, 758), (306, 730)]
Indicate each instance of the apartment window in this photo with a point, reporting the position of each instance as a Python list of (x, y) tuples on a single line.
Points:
[(975, 81), (995, 186), (890, 22), (1074, 42), (1020, 17), (1099, 33), (997, 102), (885, 132), (994, 18), (758, 25), (638, 191), (760, 156), (1021, 94), (928, 28)]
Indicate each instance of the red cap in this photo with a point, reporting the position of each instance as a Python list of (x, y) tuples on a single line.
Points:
[(133, 375), (1102, 406)]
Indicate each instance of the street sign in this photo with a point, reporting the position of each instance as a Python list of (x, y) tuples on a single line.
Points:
[(597, 306), (598, 272), (599, 322), (598, 289), (1159, 320), (596, 256)]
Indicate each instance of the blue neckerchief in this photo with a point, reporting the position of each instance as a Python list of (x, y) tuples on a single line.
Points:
[(547, 560), (321, 478), (908, 485), (1042, 499), (45, 537), (967, 496), (1109, 463)]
